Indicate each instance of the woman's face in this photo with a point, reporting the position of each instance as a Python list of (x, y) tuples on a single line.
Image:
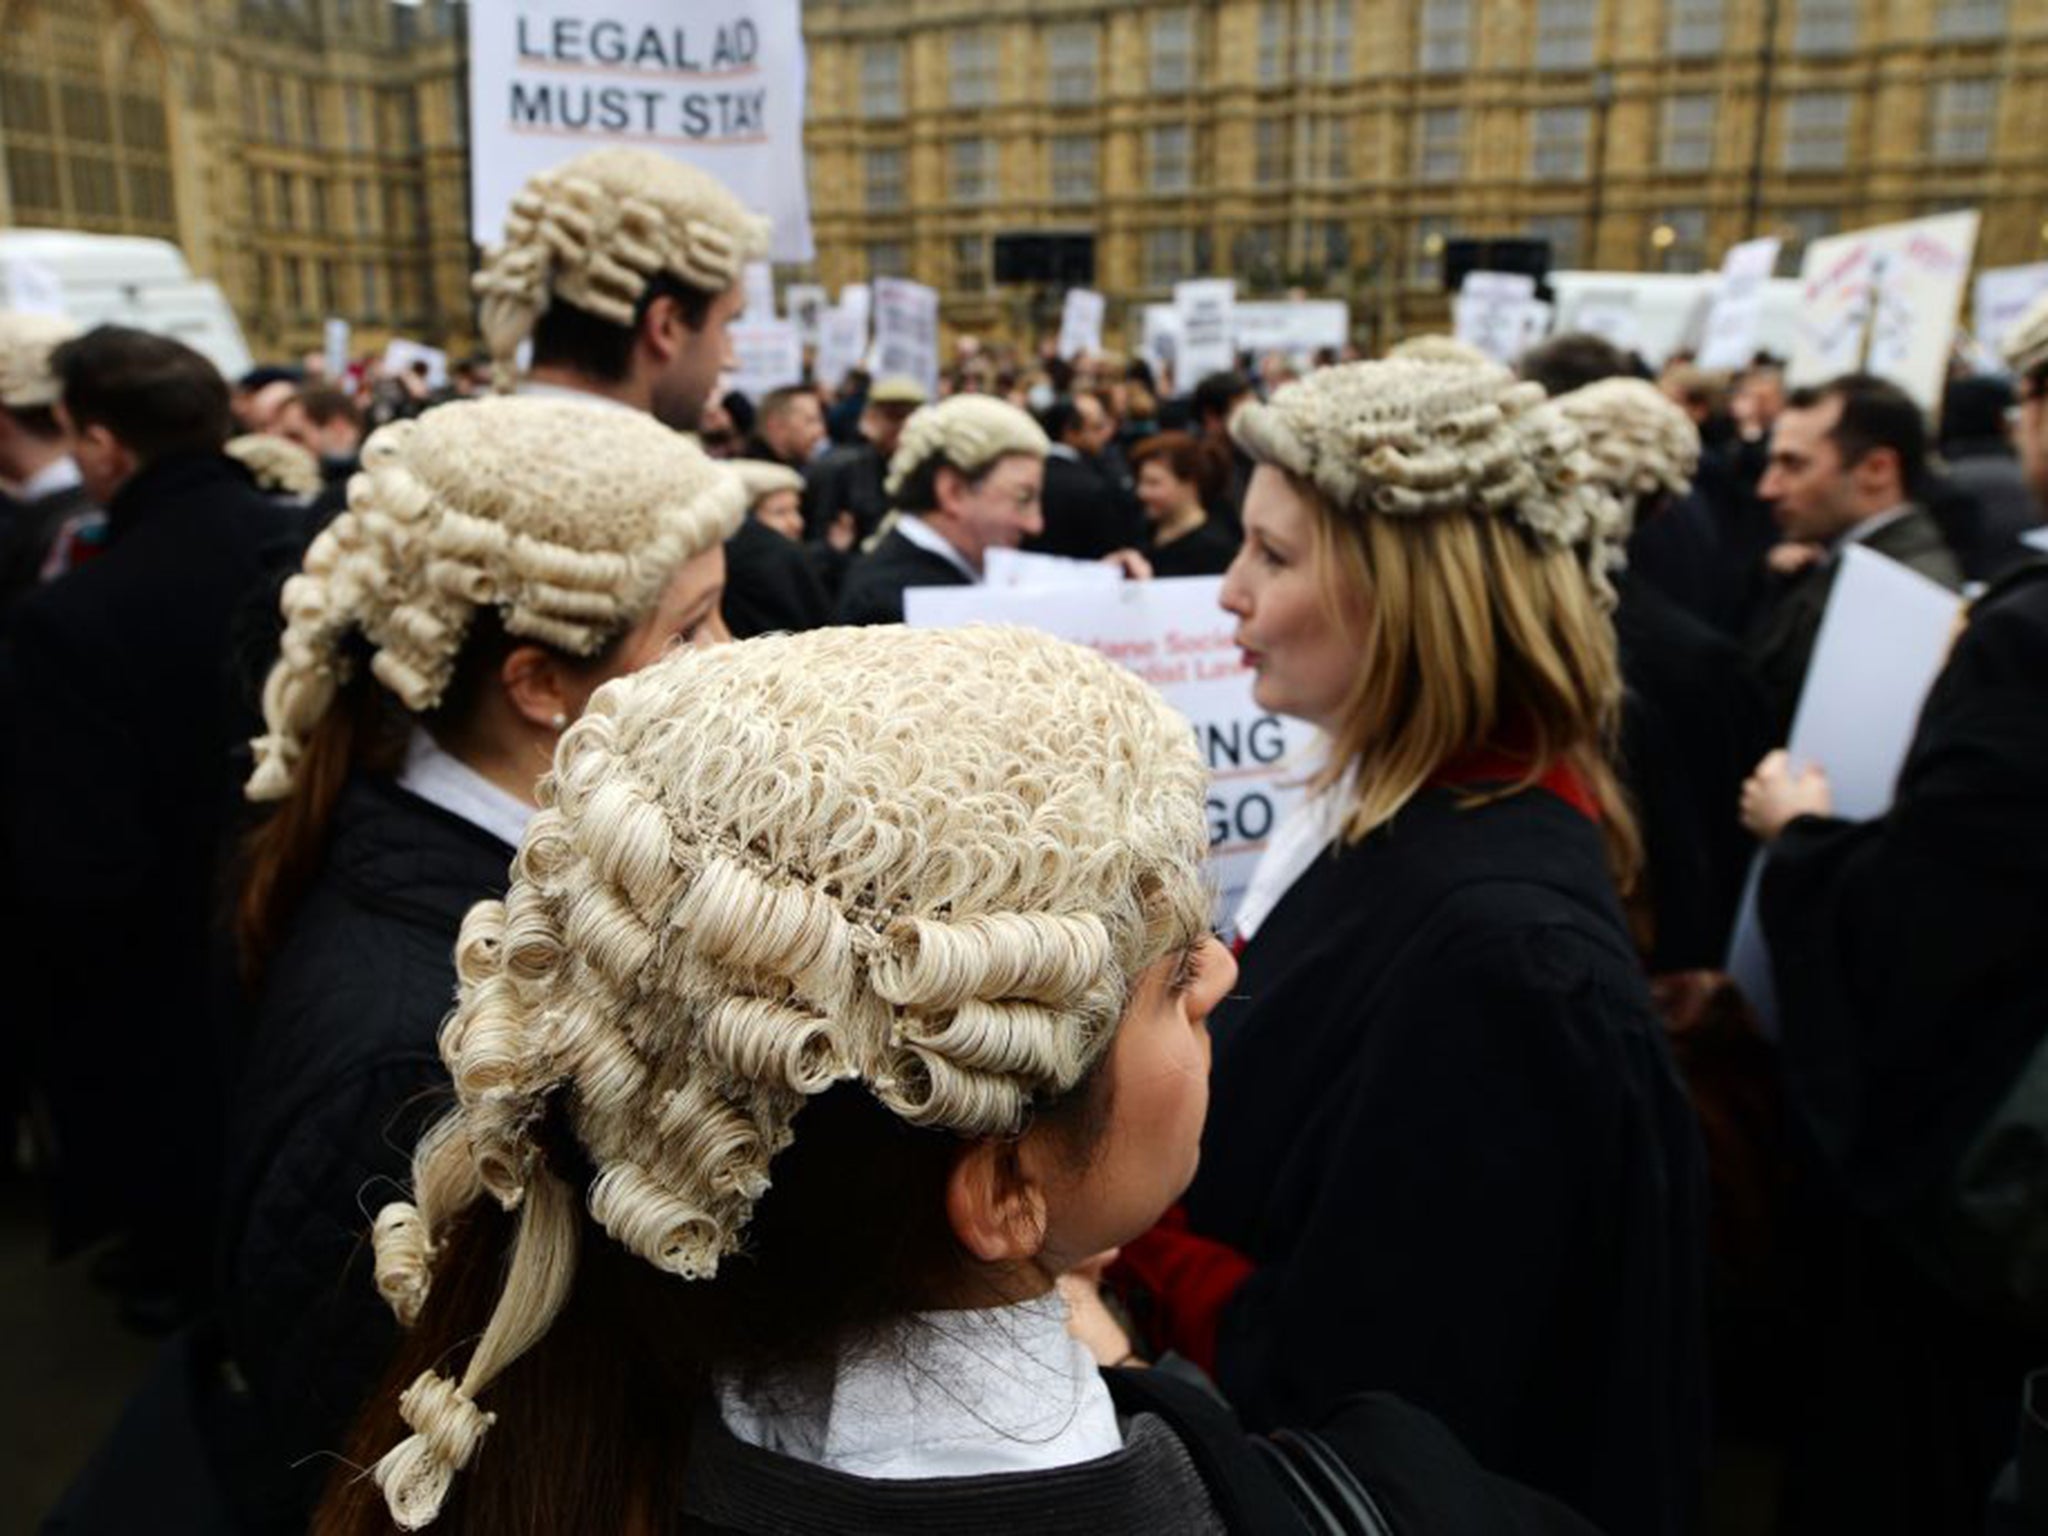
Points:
[(686, 614), (1162, 492), (1304, 661), (1159, 1085)]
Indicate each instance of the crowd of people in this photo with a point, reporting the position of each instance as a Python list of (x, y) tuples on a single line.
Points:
[(567, 1017)]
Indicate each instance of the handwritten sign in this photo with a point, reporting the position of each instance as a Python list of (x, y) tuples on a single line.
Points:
[(907, 331), (1736, 317), (1885, 300), (1081, 323), (1204, 311)]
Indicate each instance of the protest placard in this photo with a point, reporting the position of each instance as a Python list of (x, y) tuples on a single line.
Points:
[(842, 343), (1729, 338), (1885, 300), (719, 85), (1492, 313), (767, 354), (34, 288), (907, 331), (1297, 328), (400, 355), (804, 305), (1203, 309), (1081, 323), (335, 348), (1174, 635), (1027, 568), (2001, 296), (757, 287)]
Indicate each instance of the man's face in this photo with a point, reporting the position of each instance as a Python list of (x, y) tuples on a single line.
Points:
[(1091, 431), (692, 358), (104, 462), (337, 440), (882, 425), (1810, 491), (1000, 511), (782, 511), (796, 430)]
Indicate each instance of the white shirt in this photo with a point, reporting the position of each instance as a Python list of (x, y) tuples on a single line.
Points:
[(1861, 532), (1296, 843), (962, 1394), (460, 790), (58, 475), (928, 538)]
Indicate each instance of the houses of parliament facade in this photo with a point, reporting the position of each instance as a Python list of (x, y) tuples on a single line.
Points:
[(310, 155)]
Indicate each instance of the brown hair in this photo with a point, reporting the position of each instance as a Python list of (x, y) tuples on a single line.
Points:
[(1473, 635), (1184, 458)]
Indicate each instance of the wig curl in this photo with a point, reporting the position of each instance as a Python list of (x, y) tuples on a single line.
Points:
[(969, 432), (1643, 444)]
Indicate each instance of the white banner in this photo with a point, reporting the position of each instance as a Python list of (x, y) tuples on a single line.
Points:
[(1027, 568), (1733, 323), (757, 291), (767, 354), (1495, 312), (1081, 323), (1174, 635), (34, 288), (842, 343), (907, 331), (805, 304), (400, 355), (336, 337), (716, 83), (1610, 315), (1299, 329), (2002, 296), (1886, 300), (1203, 308)]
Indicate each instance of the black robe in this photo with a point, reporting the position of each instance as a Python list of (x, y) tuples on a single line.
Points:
[(1446, 1131), (770, 585), (874, 588), (1907, 953), (1207, 551), (1087, 514)]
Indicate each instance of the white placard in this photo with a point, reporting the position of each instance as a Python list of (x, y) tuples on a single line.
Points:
[(1729, 337), (907, 331), (718, 85), (1028, 568), (2000, 297), (1174, 635), (1159, 343), (1497, 312), (1884, 638), (1885, 300), (804, 304), (858, 299), (1206, 346), (757, 290), (335, 335), (1299, 328), (842, 342), (1611, 315), (1081, 323), (34, 288), (767, 354), (400, 355)]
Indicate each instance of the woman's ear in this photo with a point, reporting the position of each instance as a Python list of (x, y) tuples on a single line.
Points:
[(539, 688), (996, 1211)]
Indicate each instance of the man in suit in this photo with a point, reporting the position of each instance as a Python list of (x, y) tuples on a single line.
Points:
[(846, 484), (1087, 515), (1846, 463)]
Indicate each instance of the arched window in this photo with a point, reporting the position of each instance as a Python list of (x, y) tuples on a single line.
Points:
[(82, 115)]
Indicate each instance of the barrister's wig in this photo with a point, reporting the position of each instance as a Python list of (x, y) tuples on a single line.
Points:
[(2026, 344), (278, 465), (567, 518), (1644, 446), (932, 863), (1435, 348), (26, 341), (1404, 439), (967, 432), (596, 230), (764, 477)]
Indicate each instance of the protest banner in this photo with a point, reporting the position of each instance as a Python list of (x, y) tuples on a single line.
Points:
[(400, 356), (767, 354), (1203, 309), (2001, 296), (1173, 634), (757, 289), (719, 85), (1729, 339), (1081, 323), (842, 343), (335, 348), (1298, 329), (1494, 312), (1885, 300), (804, 305), (1610, 314), (34, 288), (907, 331), (1026, 568), (1884, 638)]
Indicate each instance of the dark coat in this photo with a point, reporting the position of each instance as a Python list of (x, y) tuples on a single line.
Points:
[(27, 530), (846, 480), (1693, 727), (343, 1075), (1207, 551), (770, 584), (1446, 1131), (1994, 507), (120, 794), (1781, 644), (1086, 515), (1907, 955), (874, 588)]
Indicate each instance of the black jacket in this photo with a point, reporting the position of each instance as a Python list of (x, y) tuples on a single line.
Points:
[(874, 588), (1207, 551), (120, 794), (845, 480), (343, 1075), (1086, 515), (770, 584), (1446, 1131), (27, 530)]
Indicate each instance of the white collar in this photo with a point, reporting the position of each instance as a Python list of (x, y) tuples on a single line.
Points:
[(1860, 533), (929, 539), (535, 390), (1296, 843), (441, 779), (1063, 451), (60, 474), (961, 1395)]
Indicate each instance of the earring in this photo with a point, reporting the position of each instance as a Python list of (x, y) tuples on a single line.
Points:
[(560, 722)]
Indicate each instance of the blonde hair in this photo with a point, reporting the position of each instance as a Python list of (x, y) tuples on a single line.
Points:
[(969, 432), (595, 230), (932, 863), (1643, 444), (1462, 544), (566, 518), (26, 341)]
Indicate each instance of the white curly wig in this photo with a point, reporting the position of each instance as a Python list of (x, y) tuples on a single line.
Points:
[(1644, 446), (595, 230), (969, 432), (1414, 439), (1434, 348), (764, 477), (567, 518), (933, 863), (26, 342), (277, 464), (2026, 344)]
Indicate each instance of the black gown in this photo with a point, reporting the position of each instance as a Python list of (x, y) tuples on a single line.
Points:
[(1206, 551), (873, 593), (1447, 1133), (1907, 953)]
